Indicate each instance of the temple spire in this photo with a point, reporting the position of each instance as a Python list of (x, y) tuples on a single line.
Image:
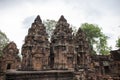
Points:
[(38, 19), (62, 19), (80, 30), (37, 44)]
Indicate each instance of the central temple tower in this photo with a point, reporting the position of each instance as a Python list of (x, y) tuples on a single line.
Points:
[(63, 51)]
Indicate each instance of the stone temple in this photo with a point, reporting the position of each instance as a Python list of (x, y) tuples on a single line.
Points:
[(64, 57)]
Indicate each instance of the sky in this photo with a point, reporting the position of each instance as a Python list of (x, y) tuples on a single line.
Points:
[(16, 16)]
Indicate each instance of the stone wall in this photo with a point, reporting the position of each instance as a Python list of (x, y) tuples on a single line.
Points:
[(63, 46), (64, 57), (40, 75), (36, 48), (9, 59)]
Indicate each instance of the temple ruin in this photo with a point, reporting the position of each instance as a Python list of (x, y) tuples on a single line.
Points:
[(10, 59), (66, 56), (36, 49), (62, 46)]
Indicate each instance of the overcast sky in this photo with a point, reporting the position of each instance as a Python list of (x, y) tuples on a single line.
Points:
[(16, 16)]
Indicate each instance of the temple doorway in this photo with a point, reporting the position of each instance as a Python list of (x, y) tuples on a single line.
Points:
[(8, 66)]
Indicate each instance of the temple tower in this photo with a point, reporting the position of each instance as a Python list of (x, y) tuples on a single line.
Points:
[(35, 50), (82, 49), (10, 58), (62, 46), (83, 56), (115, 63)]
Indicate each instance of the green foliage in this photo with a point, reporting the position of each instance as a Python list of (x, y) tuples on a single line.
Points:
[(96, 38), (102, 45), (50, 26), (93, 32), (3, 41), (118, 43)]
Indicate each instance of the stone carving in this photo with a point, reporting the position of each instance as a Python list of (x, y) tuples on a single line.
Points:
[(82, 49), (115, 64), (36, 49), (83, 55), (64, 57), (62, 45), (10, 58)]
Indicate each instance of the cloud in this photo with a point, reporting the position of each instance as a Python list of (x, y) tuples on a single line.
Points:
[(27, 21), (19, 14)]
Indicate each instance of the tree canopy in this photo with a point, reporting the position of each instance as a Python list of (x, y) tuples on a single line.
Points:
[(96, 38), (50, 26), (118, 43), (3, 41)]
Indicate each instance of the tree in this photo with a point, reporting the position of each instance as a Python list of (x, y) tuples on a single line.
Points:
[(50, 26), (96, 38), (102, 46), (118, 43), (93, 32), (3, 41)]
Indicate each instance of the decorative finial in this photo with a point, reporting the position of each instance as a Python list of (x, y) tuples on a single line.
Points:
[(38, 19), (62, 19)]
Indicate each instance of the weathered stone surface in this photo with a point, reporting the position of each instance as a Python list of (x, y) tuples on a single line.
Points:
[(83, 55), (65, 57), (40, 75), (10, 58), (36, 49), (63, 46), (101, 65), (82, 48), (115, 64)]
